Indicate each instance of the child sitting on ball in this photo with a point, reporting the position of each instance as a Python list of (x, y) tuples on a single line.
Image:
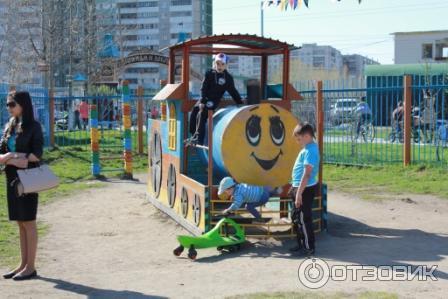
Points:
[(216, 82), (243, 194)]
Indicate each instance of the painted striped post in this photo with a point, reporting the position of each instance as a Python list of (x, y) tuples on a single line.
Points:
[(94, 140), (127, 124)]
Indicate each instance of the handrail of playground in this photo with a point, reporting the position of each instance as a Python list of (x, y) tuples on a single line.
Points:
[(209, 148)]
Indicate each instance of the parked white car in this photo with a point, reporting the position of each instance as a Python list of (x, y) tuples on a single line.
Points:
[(341, 110)]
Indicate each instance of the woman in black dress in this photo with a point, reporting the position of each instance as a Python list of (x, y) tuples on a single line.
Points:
[(21, 146)]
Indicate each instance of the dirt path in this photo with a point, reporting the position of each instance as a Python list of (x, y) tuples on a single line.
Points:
[(110, 243)]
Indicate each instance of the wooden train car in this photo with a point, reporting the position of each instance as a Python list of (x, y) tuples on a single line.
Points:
[(183, 179)]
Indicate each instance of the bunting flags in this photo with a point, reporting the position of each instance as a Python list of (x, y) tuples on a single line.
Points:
[(268, 3), (283, 4), (293, 4)]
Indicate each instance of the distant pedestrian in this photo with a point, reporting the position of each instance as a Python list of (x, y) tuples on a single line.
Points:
[(77, 120), (154, 112), (84, 112)]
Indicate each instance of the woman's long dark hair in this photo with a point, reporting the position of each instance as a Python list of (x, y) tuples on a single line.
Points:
[(23, 99)]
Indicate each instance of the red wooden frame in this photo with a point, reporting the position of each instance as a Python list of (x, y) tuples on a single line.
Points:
[(263, 47)]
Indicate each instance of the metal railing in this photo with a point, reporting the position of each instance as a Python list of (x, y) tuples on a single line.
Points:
[(364, 125)]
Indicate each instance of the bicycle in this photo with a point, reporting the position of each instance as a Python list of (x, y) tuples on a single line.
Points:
[(418, 133), (397, 132), (366, 130)]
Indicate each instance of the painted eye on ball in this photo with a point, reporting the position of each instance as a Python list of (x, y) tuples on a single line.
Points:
[(277, 130), (253, 130)]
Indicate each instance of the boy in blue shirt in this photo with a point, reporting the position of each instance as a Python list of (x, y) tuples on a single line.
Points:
[(304, 183), (244, 194)]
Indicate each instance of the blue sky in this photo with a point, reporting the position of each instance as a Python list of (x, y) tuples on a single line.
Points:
[(350, 27)]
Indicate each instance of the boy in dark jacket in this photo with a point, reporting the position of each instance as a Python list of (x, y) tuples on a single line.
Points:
[(216, 82)]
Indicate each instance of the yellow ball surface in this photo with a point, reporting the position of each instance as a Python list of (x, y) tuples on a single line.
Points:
[(258, 146)]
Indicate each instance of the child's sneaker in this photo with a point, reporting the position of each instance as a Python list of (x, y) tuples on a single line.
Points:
[(259, 221), (295, 248), (308, 252)]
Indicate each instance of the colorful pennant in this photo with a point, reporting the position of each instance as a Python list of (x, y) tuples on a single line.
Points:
[(293, 4)]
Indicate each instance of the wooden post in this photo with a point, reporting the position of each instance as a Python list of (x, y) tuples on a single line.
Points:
[(140, 119), (185, 148), (285, 74), (264, 76), (171, 67), (186, 82), (186, 72), (407, 120), (210, 150), (51, 116), (320, 130)]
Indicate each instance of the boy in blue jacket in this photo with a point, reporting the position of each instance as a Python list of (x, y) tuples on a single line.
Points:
[(216, 82)]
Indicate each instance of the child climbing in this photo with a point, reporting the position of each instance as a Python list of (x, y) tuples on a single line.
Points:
[(244, 194), (216, 82)]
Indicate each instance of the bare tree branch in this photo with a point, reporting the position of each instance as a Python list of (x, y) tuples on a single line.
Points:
[(33, 45)]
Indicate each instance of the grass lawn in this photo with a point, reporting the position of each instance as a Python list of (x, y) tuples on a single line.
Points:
[(318, 295), (382, 153), (376, 181), (72, 165)]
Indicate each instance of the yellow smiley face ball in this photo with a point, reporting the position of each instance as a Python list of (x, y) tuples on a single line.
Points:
[(258, 147)]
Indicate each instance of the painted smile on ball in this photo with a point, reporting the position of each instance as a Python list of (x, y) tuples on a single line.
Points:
[(267, 164), (255, 133)]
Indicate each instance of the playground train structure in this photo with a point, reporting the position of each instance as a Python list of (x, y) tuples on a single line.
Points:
[(252, 143)]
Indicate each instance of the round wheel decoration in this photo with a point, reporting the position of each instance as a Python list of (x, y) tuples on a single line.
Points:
[(155, 162), (171, 185), (197, 209), (184, 202)]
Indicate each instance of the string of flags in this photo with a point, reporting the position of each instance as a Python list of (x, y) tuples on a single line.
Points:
[(293, 4)]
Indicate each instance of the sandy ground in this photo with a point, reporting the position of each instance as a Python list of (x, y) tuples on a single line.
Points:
[(110, 243)]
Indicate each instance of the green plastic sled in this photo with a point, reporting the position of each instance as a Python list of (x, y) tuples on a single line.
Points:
[(213, 238)]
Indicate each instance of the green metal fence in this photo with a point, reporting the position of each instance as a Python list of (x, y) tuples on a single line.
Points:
[(349, 137), (72, 128), (70, 125), (364, 126)]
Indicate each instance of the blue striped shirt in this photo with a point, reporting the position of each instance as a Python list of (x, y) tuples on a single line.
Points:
[(244, 193)]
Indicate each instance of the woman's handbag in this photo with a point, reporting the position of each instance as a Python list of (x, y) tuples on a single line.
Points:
[(35, 180)]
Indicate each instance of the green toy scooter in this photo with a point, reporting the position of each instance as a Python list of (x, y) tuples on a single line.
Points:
[(229, 242)]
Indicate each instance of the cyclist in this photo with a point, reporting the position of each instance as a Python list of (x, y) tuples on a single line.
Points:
[(397, 117), (363, 114)]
